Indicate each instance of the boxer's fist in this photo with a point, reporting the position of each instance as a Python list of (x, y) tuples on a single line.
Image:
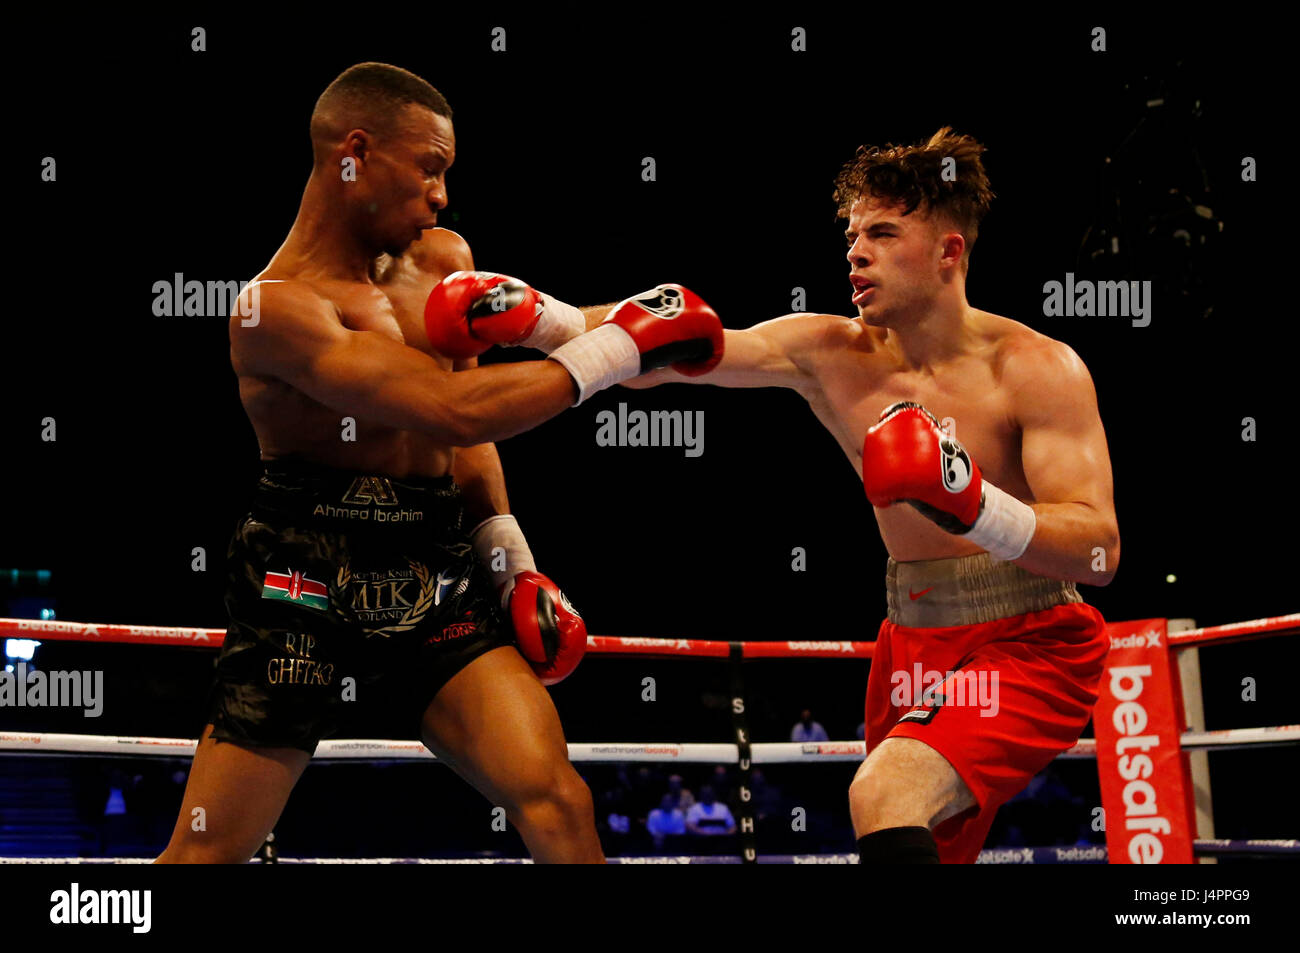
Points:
[(469, 311), (550, 633), (908, 458), (671, 325), (665, 325)]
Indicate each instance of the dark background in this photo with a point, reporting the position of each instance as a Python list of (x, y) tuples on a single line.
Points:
[(175, 161)]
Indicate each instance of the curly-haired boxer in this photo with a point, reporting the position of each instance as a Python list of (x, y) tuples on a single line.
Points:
[(988, 664)]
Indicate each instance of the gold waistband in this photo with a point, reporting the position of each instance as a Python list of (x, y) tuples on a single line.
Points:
[(968, 590)]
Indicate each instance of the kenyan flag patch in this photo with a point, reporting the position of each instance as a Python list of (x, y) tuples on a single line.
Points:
[(293, 586)]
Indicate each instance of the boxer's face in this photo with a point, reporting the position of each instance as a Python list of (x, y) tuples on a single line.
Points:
[(894, 262), (405, 179)]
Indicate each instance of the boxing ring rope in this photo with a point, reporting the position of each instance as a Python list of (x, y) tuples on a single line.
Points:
[(1236, 631), (382, 750), (770, 752), (596, 644), (604, 644), (1091, 854)]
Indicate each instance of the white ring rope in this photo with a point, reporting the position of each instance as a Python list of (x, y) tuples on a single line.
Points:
[(780, 752)]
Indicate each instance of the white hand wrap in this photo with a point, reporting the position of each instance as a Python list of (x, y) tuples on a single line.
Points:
[(599, 359), (1005, 525), (557, 324), (502, 531)]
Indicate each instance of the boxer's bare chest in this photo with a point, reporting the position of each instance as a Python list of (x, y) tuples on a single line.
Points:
[(404, 289), (853, 385), (392, 306), (287, 422)]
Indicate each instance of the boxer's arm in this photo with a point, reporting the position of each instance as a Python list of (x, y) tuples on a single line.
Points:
[(775, 353), (442, 251), (478, 471), (299, 339), (596, 314), (1066, 463), (593, 317)]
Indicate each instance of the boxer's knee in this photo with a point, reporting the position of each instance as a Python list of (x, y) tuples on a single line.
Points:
[(555, 801), (905, 783), (879, 799)]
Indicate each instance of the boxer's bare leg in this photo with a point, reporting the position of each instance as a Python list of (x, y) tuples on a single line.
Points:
[(495, 725), (905, 783), (241, 792)]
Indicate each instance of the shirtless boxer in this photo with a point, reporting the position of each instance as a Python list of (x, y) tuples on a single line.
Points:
[(983, 565), (355, 577)]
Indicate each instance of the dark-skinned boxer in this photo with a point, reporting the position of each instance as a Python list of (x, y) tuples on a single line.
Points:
[(353, 578)]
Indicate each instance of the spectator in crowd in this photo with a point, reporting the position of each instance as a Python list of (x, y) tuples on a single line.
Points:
[(766, 797), (709, 817), (862, 731), (683, 798), (614, 823), (667, 820), (1044, 811), (807, 729), (644, 794), (722, 786)]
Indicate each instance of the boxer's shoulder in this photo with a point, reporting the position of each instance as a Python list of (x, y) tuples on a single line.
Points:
[(439, 252), (824, 324), (1022, 357), (804, 332), (285, 298), (815, 344), (281, 318)]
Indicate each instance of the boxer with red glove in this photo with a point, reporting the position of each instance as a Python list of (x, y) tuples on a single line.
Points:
[(469, 311), (549, 632), (667, 325), (908, 458)]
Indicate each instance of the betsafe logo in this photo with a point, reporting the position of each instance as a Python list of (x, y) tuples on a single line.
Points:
[(1138, 640)]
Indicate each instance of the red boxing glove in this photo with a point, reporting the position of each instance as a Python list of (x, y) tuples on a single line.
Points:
[(665, 325), (469, 311), (908, 458), (671, 325), (550, 633)]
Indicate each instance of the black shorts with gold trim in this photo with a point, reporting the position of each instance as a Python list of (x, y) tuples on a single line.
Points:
[(346, 589)]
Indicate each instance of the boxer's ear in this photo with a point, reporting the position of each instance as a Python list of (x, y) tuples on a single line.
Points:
[(358, 144)]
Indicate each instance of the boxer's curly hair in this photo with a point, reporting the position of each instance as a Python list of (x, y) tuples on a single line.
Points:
[(369, 96), (912, 176)]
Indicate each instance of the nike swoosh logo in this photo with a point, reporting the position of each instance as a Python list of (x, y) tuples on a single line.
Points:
[(917, 595)]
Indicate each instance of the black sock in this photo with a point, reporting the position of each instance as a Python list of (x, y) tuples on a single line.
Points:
[(898, 845)]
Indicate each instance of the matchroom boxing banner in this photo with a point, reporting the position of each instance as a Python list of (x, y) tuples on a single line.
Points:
[(1145, 784)]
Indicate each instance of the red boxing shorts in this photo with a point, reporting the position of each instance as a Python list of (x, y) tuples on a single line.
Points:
[(999, 700)]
